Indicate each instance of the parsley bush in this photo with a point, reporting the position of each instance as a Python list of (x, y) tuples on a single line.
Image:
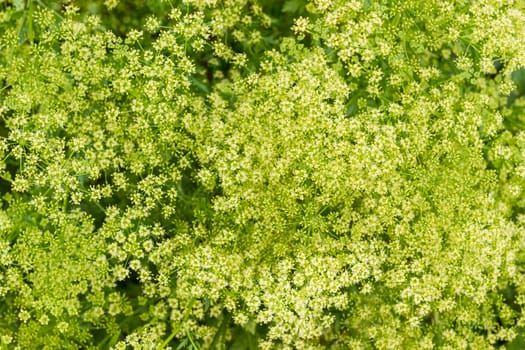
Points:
[(256, 174)]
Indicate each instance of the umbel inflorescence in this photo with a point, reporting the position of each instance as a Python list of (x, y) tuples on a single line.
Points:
[(257, 174)]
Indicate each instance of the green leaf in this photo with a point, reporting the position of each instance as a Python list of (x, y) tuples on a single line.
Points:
[(292, 6), (199, 85), (244, 341)]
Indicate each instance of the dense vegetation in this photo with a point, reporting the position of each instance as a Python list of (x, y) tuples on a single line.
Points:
[(258, 174)]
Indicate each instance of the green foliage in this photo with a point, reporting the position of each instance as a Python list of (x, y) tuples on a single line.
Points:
[(253, 174)]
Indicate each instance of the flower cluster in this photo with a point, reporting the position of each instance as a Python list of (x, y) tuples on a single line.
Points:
[(250, 174)]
